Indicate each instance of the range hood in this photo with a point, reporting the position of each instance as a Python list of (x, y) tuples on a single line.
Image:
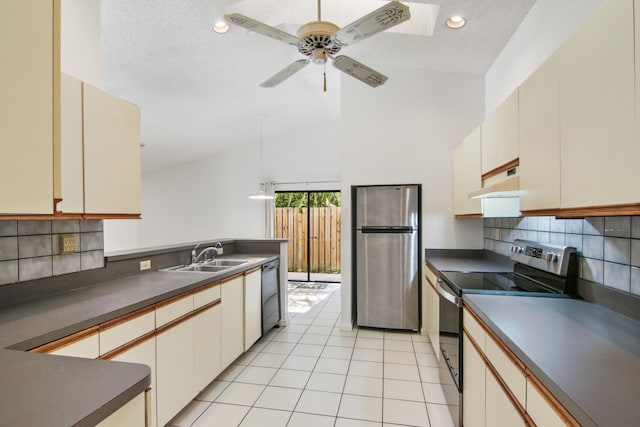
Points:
[(510, 187), (502, 185), (500, 194)]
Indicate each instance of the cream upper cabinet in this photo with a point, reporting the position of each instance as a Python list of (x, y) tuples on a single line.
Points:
[(500, 144), (252, 308), (467, 175), (539, 99), (28, 76), (598, 153), (111, 153), (71, 141), (636, 8)]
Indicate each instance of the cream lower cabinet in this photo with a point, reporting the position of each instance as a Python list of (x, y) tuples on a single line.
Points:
[(599, 151), (174, 369), (133, 414), (467, 175), (232, 320), (143, 352), (474, 381), (252, 307), (431, 310), (206, 324), (499, 410), (84, 344)]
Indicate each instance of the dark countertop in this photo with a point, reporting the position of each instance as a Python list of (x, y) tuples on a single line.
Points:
[(467, 260), (112, 384), (586, 355)]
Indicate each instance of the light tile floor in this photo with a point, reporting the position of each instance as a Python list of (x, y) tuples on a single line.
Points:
[(310, 373)]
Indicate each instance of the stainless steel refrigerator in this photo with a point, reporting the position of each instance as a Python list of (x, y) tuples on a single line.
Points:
[(387, 258)]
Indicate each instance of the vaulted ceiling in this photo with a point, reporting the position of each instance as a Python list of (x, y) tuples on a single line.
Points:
[(199, 91)]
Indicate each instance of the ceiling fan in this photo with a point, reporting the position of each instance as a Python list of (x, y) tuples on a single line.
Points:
[(319, 40)]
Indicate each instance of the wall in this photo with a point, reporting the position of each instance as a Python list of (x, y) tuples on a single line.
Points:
[(208, 198), (608, 247), (404, 133), (30, 249), (546, 27), (81, 53)]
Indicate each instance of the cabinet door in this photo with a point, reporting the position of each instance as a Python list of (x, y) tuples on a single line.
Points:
[(130, 415), (489, 132), (636, 8), (174, 370), (473, 383), (540, 138), (145, 353), (539, 410), (207, 346), (111, 153), (467, 175), (232, 320), (28, 52), (431, 310), (507, 138), (71, 164), (598, 152), (500, 412), (252, 308)]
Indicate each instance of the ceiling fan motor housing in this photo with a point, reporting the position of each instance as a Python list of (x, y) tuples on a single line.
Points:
[(316, 42)]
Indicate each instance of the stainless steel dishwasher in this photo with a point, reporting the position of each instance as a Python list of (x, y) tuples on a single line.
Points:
[(270, 296)]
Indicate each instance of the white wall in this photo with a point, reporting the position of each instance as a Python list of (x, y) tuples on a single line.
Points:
[(208, 198), (404, 133), (81, 55), (546, 27)]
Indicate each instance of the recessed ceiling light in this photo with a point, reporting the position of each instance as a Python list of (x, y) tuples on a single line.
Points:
[(456, 22), (221, 27)]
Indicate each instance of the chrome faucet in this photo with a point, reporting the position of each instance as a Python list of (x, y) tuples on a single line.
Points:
[(203, 254), (193, 254)]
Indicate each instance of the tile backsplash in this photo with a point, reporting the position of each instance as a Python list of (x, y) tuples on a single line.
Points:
[(31, 250), (608, 247)]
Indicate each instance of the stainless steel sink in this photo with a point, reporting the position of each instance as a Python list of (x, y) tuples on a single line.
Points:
[(213, 266), (226, 262)]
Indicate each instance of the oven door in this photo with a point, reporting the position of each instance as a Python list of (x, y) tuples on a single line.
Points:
[(451, 348)]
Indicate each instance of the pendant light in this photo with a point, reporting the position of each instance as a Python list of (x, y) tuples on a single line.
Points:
[(261, 194)]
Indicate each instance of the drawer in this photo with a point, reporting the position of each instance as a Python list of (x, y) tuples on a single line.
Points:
[(540, 411), (125, 329), (87, 347), (474, 329), (511, 373), (173, 308), (204, 297)]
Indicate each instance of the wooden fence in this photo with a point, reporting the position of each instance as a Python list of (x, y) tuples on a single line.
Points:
[(324, 238)]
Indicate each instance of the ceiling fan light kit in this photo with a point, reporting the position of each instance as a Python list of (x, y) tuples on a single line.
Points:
[(319, 40)]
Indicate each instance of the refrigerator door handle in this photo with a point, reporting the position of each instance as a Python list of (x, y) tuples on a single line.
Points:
[(390, 229)]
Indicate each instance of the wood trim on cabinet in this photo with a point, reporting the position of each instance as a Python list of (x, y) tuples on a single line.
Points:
[(65, 341), (253, 270), (172, 299), (185, 317), (127, 346), (230, 278), (125, 318), (512, 357), (581, 212), (463, 216), (112, 216), (503, 168), (433, 270), (560, 410)]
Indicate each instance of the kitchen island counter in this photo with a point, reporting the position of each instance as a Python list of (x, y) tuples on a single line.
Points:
[(587, 356), (59, 390)]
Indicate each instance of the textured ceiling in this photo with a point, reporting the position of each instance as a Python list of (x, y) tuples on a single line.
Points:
[(198, 91)]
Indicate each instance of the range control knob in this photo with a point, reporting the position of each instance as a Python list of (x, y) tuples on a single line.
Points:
[(550, 257)]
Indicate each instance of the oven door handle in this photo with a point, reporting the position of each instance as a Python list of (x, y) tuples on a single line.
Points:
[(454, 299)]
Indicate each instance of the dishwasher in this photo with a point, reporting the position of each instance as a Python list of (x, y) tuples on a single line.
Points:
[(270, 296)]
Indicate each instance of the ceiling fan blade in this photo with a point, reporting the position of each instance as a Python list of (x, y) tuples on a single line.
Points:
[(286, 73), (258, 27), (359, 71), (389, 15)]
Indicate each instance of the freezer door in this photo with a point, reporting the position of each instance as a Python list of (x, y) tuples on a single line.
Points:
[(394, 205), (387, 280)]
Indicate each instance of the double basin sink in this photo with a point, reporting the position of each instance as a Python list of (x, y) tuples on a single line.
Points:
[(213, 266)]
